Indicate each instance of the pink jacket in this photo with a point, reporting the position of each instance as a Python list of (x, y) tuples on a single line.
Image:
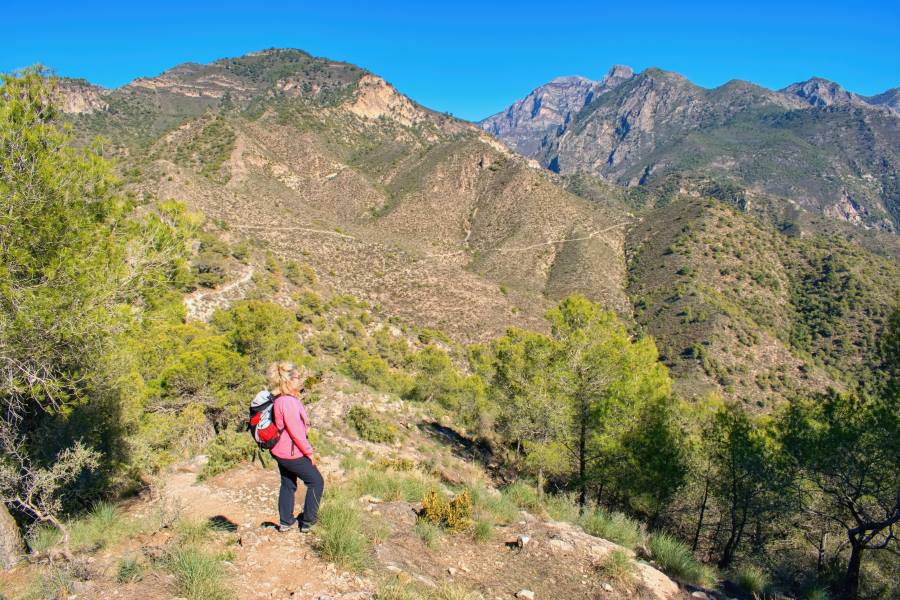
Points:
[(291, 419)]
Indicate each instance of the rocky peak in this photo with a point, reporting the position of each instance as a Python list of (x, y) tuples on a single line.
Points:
[(820, 92), (616, 75), (550, 108), (524, 123), (375, 99), (889, 98), (78, 96)]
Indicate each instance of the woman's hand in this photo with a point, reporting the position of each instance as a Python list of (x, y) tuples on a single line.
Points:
[(312, 460)]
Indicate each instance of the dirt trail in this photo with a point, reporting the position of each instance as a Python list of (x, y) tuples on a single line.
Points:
[(267, 563)]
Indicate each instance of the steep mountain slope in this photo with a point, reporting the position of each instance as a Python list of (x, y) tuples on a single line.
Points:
[(741, 309), (890, 98), (436, 222), (525, 124), (813, 143), (409, 208)]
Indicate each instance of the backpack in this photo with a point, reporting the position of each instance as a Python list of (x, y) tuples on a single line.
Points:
[(262, 421)]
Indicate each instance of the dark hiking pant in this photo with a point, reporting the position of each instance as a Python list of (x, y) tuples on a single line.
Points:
[(308, 473)]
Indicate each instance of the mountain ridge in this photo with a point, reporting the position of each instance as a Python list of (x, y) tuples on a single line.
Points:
[(812, 143), (439, 223)]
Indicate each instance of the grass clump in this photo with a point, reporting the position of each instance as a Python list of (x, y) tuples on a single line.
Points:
[(619, 570), (751, 579), (482, 531), (562, 507), (129, 570), (430, 533), (816, 593), (394, 589), (391, 485), (54, 582), (102, 526), (193, 532), (497, 507), (677, 560), (453, 515), (43, 538), (612, 526), (340, 539), (525, 496), (370, 426), (198, 574)]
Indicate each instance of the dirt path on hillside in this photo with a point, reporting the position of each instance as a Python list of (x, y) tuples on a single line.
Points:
[(267, 563)]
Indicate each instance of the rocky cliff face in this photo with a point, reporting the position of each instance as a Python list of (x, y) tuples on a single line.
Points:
[(890, 99), (526, 123), (821, 92), (814, 144), (79, 97)]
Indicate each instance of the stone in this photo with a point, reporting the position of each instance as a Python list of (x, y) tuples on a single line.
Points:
[(523, 540), (452, 571), (606, 587), (561, 545), (526, 594), (700, 595)]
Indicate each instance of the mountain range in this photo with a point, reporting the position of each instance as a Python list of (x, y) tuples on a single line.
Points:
[(751, 232), (813, 144)]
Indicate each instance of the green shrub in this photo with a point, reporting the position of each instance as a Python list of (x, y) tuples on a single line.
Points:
[(619, 570), (751, 579), (209, 269), (340, 539), (438, 380), (453, 515), (300, 274), (227, 450), (198, 574), (370, 426), (677, 560), (261, 331), (400, 463), (612, 526), (374, 371)]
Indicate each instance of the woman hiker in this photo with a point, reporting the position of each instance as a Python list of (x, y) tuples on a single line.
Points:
[(293, 452)]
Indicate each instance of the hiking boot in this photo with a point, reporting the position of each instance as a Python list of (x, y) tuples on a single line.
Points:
[(284, 528), (306, 527)]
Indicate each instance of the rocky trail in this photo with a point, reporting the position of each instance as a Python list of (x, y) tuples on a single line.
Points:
[(528, 557)]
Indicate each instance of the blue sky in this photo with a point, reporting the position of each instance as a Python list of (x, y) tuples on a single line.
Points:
[(472, 58)]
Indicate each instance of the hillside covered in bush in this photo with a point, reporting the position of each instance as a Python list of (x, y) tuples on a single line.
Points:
[(134, 329)]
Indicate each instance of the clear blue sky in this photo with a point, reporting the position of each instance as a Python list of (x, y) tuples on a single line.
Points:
[(472, 58)]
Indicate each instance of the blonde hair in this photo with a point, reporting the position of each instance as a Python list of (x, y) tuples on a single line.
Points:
[(282, 376)]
